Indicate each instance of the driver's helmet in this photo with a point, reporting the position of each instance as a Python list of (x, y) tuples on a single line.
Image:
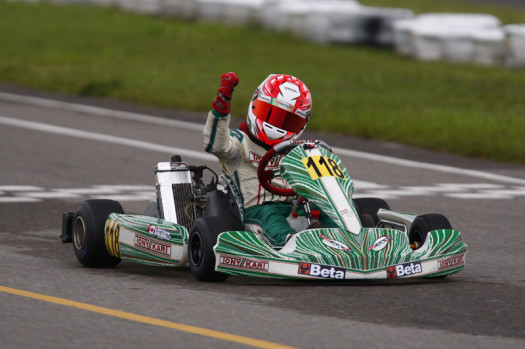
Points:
[(280, 109)]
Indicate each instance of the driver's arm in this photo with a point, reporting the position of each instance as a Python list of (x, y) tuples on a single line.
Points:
[(218, 141)]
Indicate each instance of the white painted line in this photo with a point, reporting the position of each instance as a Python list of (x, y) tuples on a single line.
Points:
[(86, 191), (479, 196), (87, 109), (134, 197), (426, 166), (198, 127), (147, 192), (19, 188), (49, 195), (125, 187), (12, 200), (37, 126)]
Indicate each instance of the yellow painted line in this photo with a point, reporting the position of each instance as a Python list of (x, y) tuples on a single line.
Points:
[(257, 343)]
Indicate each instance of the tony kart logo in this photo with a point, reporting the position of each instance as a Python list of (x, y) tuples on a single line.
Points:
[(152, 245), (334, 244), (405, 269), (451, 262), (323, 271), (272, 163), (244, 263), (380, 243)]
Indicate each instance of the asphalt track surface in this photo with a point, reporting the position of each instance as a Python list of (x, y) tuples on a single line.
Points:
[(54, 155)]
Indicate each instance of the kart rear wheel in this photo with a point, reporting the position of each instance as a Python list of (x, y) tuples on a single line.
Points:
[(203, 237), (368, 207), (424, 224), (88, 233)]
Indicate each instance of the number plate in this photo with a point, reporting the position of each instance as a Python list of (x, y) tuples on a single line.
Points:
[(322, 166)]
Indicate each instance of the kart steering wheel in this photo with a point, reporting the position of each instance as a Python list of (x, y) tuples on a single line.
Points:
[(265, 176)]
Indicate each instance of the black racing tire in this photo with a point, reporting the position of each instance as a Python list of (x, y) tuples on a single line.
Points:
[(424, 224), (88, 233), (203, 237), (369, 207)]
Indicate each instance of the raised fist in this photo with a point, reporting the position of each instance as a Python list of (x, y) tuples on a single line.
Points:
[(221, 103)]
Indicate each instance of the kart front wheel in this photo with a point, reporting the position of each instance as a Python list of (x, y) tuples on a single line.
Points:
[(203, 237), (424, 224), (367, 209), (88, 233)]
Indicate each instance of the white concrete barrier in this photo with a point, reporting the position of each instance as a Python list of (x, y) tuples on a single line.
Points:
[(141, 6), (515, 40), (101, 2), (437, 36), (426, 42), (290, 15), (229, 11), (358, 25), (489, 47), (180, 9), (456, 37)]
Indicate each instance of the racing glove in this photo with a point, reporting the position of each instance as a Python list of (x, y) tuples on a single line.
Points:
[(221, 103)]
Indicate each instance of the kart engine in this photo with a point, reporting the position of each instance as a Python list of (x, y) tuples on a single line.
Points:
[(180, 196)]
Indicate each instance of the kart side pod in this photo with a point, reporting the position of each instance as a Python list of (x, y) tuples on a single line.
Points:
[(160, 237), (146, 240)]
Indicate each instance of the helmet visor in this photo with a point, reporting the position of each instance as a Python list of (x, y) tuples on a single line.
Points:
[(274, 114)]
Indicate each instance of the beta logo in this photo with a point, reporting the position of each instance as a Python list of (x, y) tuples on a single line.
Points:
[(406, 269), (380, 243), (323, 271)]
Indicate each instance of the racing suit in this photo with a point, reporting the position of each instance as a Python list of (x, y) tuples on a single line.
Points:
[(239, 157)]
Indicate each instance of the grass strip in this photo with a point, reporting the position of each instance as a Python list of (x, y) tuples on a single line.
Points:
[(363, 91)]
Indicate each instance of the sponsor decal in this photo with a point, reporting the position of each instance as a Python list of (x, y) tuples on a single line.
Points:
[(334, 244), (152, 245), (323, 271), (244, 263), (159, 233), (274, 162), (405, 269), (264, 98), (255, 95), (451, 262), (237, 134), (380, 243), (304, 141), (282, 105), (111, 237), (346, 212), (319, 166)]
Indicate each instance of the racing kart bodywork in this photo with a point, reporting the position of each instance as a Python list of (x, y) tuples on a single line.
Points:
[(201, 225)]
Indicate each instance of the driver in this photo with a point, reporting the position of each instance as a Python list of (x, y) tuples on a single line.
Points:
[(279, 110)]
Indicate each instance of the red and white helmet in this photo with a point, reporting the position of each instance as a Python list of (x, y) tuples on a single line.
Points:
[(280, 109)]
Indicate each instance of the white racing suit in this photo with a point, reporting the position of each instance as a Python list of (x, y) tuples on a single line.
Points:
[(239, 158)]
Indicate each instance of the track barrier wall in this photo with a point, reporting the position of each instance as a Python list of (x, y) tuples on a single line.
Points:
[(454, 37)]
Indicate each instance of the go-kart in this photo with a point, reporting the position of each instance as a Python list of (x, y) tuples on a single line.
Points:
[(200, 224)]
